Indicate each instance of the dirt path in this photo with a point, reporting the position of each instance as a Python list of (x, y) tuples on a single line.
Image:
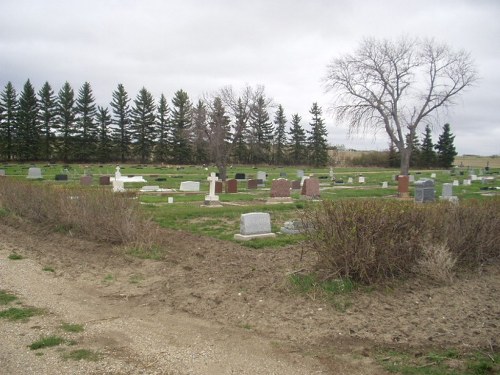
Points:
[(212, 307)]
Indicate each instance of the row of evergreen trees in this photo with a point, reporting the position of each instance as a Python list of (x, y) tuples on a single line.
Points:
[(44, 126)]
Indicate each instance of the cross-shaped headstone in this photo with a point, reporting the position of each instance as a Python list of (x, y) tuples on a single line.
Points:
[(118, 174), (212, 179)]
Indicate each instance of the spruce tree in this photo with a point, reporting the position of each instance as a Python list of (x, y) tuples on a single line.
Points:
[(297, 143), (279, 136), (199, 133), (163, 144), (261, 131), (181, 126), (8, 121), (47, 112), (241, 151), (219, 133), (143, 125), (415, 150), (28, 135), (104, 143), (427, 154), (317, 140), (66, 119), (121, 122), (445, 148), (87, 130)]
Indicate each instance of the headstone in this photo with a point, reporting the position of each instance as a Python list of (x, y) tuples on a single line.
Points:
[(86, 180), (252, 184), (104, 180), (473, 177), (260, 183), (170, 200), (292, 227), (231, 186), (283, 175), (403, 186), (118, 174), (240, 176), (254, 225), (61, 177), (447, 191), (296, 185), (2, 172), (411, 178), (280, 188), (385, 185), (350, 180), (424, 191), (118, 186), (34, 173), (467, 182), (212, 198), (332, 176), (190, 186), (456, 183), (218, 187), (433, 175), (147, 189), (310, 189), (262, 176), (300, 173), (361, 180), (303, 179)]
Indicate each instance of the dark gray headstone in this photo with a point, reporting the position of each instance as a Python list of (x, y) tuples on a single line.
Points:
[(425, 191)]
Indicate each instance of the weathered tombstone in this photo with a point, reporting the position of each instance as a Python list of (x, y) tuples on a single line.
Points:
[(296, 185), (424, 191), (2, 172), (385, 185), (260, 183), (447, 193), (118, 174), (411, 178), (292, 227), (300, 173), (350, 180), (61, 177), (280, 188), (403, 186), (310, 189), (34, 173), (212, 199), (148, 189), (473, 177), (361, 179), (190, 186), (456, 183), (232, 186), (332, 175), (118, 186), (467, 182), (218, 187), (262, 176), (254, 225), (283, 175), (303, 179), (104, 180), (240, 176), (170, 200), (252, 184), (86, 180), (433, 175)]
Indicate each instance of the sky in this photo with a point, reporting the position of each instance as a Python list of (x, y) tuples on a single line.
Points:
[(201, 46)]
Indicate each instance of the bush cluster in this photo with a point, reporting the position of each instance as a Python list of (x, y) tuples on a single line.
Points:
[(370, 240), (93, 214)]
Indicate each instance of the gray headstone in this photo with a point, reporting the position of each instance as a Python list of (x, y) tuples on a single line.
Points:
[(150, 188), (255, 223), (447, 190), (190, 186), (300, 173), (262, 176), (424, 191), (34, 173), (2, 172)]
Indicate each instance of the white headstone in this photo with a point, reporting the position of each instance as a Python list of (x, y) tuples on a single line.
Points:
[(467, 182), (254, 225), (300, 173), (190, 186), (303, 179), (361, 180), (447, 190), (261, 176), (433, 175), (118, 174), (456, 183), (350, 180), (411, 178), (2, 172), (34, 173), (118, 186), (385, 185), (150, 188), (211, 197), (170, 199), (473, 177)]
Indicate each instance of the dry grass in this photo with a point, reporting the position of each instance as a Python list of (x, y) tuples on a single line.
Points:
[(437, 263)]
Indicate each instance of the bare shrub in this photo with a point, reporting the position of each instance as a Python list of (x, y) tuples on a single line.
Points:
[(436, 262)]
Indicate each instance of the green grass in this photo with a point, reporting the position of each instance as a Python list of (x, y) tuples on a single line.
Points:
[(135, 279), (15, 256), (48, 269), (15, 313), (73, 328), (82, 354), (153, 253), (46, 342), (446, 362), (6, 298), (108, 278)]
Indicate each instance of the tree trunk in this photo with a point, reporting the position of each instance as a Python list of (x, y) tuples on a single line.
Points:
[(222, 171), (405, 161)]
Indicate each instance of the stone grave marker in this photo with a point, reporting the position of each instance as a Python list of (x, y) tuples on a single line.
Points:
[(86, 180), (252, 184), (170, 200), (310, 189), (283, 175), (385, 185), (473, 177), (424, 191), (147, 189), (218, 187), (467, 182), (296, 185), (212, 199), (260, 183), (456, 183), (118, 186), (34, 173), (300, 173), (61, 177), (350, 180), (190, 186), (232, 186), (292, 227), (447, 193), (303, 179), (2, 172), (104, 180), (433, 175), (262, 176), (411, 178), (240, 176), (254, 225), (403, 186), (280, 188)]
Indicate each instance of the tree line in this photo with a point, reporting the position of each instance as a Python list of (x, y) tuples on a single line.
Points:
[(224, 127)]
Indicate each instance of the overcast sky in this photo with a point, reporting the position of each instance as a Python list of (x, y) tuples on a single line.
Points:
[(202, 45)]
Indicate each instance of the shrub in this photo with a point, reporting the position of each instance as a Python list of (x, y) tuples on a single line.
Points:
[(369, 240)]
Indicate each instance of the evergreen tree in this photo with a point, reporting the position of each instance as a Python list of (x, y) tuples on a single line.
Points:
[(28, 136), (181, 124), (317, 140), (261, 132), (8, 121), (241, 151), (445, 148), (279, 136), (218, 134), (121, 122), (164, 131), (66, 118), (297, 145), (200, 141), (87, 130), (394, 157), (427, 154), (143, 126), (104, 144), (415, 149), (47, 112)]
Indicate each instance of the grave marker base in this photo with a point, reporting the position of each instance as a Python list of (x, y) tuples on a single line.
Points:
[(248, 237)]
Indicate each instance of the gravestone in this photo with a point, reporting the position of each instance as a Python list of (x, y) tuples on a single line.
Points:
[(280, 188), (283, 175), (254, 225), (118, 186), (447, 191), (232, 186), (424, 191), (190, 186), (292, 227), (361, 180), (433, 175), (467, 182), (411, 178), (170, 200), (385, 185), (473, 177), (2, 172), (403, 186), (262, 176), (296, 185), (310, 189), (260, 183), (147, 189), (212, 199), (300, 173), (240, 176), (218, 187), (34, 173), (61, 177), (104, 180), (332, 175), (86, 180), (303, 179), (456, 183), (252, 184), (350, 180)]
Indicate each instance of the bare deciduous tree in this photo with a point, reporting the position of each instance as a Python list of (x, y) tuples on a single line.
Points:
[(396, 86)]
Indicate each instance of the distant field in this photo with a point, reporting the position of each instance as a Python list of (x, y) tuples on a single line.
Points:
[(478, 161)]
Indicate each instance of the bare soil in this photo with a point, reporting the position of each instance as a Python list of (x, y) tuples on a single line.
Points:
[(215, 307)]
